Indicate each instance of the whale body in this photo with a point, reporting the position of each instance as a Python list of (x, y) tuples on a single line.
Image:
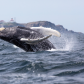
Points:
[(29, 39)]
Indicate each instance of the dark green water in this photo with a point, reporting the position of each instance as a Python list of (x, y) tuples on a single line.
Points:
[(65, 65)]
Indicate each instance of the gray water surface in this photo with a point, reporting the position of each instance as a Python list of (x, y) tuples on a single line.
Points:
[(63, 65)]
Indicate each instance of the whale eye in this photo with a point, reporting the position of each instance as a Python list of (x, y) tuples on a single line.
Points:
[(2, 28)]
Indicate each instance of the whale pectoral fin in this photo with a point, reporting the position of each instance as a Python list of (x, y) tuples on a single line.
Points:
[(34, 41), (47, 31)]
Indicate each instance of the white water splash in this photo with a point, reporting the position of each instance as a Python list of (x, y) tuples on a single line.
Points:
[(18, 49), (69, 44), (15, 46), (65, 43)]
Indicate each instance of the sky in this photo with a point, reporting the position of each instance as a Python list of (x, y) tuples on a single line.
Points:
[(69, 13)]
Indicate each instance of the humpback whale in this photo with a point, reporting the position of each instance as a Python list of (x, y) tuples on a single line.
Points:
[(29, 39)]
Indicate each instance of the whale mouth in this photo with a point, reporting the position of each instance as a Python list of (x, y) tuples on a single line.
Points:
[(34, 41)]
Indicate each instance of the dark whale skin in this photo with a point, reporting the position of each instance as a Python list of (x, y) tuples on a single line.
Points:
[(14, 34)]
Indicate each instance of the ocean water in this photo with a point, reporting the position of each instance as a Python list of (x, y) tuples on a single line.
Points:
[(63, 65)]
